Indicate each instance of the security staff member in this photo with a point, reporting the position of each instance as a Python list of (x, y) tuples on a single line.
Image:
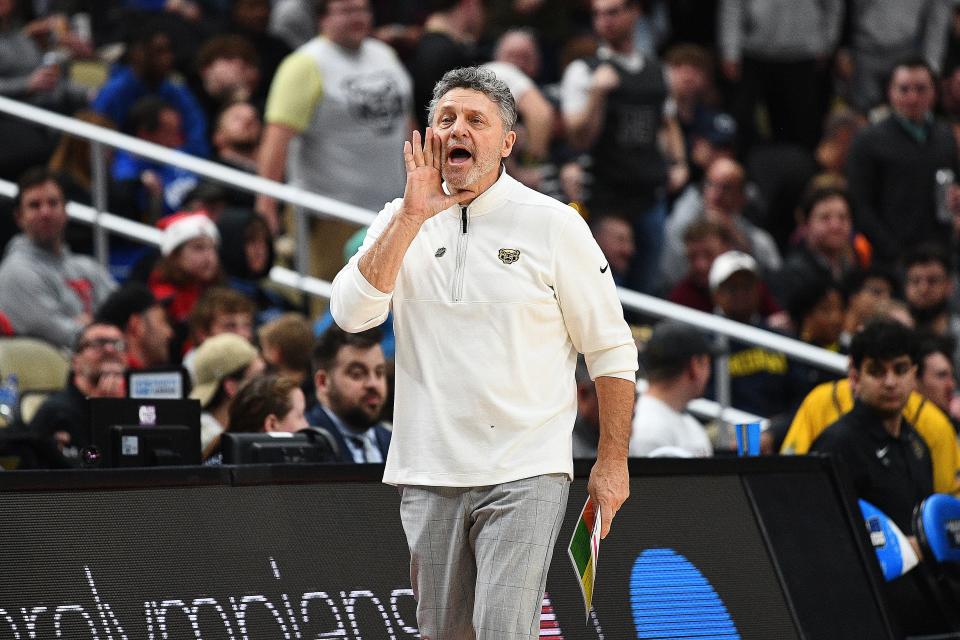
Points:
[(888, 461)]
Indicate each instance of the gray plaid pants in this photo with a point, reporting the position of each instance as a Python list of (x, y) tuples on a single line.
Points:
[(479, 556)]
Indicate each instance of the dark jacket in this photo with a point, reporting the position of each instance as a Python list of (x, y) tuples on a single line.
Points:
[(893, 474), (893, 186), (317, 417), (69, 411), (762, 382), (233, 225), (801, 267)]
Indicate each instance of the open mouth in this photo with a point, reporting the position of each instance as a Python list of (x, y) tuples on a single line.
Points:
[(458, 155)]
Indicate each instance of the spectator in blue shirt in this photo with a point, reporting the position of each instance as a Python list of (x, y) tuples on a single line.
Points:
[(150, 188), (147, 73)]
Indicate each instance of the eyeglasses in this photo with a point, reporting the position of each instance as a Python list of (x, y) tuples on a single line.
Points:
[(36, 204), (102, 343)]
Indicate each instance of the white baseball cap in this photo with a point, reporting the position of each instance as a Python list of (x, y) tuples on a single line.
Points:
[(727, 264)]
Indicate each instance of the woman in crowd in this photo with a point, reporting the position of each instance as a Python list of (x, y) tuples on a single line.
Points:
[(268, 403), (189, 266), (247, 255)]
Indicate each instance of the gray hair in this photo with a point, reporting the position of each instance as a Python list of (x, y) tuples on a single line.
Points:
[(477, 79)]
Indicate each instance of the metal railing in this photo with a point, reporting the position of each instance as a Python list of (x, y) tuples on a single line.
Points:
[(307, 203), (152, 236), (727, 330), (146, 234), (712, 410)]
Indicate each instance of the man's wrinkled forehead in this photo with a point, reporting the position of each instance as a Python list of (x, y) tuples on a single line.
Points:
[(342, 6), (468, 100)]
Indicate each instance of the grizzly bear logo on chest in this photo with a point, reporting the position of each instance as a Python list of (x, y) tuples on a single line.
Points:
[(508, 256)]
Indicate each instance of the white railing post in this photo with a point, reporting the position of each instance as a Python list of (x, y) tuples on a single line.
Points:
[(302, 225), (721, 371), (98, 161)]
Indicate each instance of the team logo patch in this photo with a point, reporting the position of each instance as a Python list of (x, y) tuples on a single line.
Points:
[(440, 252), (917, 449), (508, 256)]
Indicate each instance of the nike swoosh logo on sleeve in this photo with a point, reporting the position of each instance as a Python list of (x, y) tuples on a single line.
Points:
[(604, 268)]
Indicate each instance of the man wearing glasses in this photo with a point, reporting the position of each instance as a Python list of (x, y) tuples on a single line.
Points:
[(928, 286), (97, 371)]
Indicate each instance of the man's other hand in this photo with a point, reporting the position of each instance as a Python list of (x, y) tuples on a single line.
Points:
[(609, 486)]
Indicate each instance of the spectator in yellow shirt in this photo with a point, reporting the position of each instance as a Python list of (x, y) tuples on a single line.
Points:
[(827, 402)]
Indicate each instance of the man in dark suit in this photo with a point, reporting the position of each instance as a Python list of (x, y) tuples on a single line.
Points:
[(350, 377)]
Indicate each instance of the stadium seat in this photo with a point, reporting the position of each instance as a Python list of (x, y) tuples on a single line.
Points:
[(30, 401), (40, 368)]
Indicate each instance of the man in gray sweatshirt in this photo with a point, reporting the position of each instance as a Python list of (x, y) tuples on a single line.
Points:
[(883, 32), (775, 52), (45, 290)]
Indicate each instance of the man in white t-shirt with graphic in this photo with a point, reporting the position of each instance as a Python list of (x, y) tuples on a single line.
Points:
[(338, 110), (677, 362)]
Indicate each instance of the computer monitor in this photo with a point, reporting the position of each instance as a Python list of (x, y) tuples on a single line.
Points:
[(155, 446), (308, 445), (134, 417)]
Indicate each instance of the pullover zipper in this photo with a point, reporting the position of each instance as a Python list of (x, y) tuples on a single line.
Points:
[(461, 257)]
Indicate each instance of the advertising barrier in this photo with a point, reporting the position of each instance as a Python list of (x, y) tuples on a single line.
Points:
[(740, 548)]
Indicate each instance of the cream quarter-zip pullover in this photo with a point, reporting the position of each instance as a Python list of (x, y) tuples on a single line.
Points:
[(491, 306)]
